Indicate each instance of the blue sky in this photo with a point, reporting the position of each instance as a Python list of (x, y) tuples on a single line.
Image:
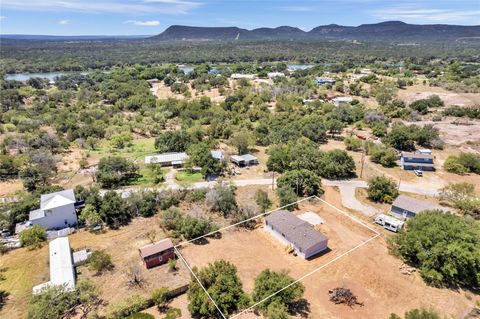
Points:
[(130, 17)]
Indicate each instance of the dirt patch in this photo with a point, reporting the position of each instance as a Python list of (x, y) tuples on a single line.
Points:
[(370, 271), (456, 134), (10, 186), (417, 92)]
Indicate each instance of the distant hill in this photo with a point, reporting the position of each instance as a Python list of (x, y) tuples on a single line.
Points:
[(395, 31)]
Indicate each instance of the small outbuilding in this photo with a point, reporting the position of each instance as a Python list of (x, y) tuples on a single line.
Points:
[(341, 100), (406, 207), (291, 230), (244, 160), (324, 80), (157, 254)]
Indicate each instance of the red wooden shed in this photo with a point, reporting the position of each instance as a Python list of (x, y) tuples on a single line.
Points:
[(157, 254)]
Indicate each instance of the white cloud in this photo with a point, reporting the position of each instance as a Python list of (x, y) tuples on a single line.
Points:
[(422, 15), (122, 6), (3, 17), (151, 23), (63, 22)]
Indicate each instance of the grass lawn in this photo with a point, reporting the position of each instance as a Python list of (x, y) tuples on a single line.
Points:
[(186, 178), (146, 177), (136, 151)]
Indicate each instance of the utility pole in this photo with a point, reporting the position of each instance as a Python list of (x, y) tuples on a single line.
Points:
[(273, 177), (399, 182), (363, 160)]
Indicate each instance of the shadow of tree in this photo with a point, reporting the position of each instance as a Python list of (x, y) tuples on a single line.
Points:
[(300, 308)]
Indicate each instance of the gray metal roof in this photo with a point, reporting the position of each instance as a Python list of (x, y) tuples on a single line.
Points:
[(36, 214), (217, 154), (417, 155), (166, 158), (297, 231), (248, 157), (58, 199), (415, 205)]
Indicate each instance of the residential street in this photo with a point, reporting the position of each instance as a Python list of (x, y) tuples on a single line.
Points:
[(346, 188)]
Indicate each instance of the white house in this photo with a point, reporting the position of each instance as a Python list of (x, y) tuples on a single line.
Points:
[(57, 211), (62, 269), (341, 99), (237, 76), (272, 75)]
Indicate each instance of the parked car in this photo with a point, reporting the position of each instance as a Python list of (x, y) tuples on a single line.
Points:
[(418, 172)]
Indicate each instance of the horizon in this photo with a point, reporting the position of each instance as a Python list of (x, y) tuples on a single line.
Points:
[(151, 17)]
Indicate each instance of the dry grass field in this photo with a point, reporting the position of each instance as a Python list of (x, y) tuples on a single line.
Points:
[(26, 268), (419, 91), (370, 271)]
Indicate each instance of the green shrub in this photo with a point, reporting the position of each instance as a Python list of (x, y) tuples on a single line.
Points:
[(33, 236), (130, 306), (173, 313), (382, 189), (99, 261), (160, 297), (140, 315), (353, 143), (453, 165)]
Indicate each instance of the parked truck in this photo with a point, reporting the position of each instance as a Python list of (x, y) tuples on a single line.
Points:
[(389, 222)]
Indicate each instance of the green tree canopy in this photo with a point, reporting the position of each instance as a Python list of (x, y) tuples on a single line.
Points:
[(445, 247), (269, 282), (221, 281)]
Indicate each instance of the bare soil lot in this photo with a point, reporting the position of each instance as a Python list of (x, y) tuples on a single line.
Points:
[(370, 271), (254, 251), (417, 92)]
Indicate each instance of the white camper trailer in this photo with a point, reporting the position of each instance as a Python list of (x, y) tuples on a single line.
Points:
[(389, 222)]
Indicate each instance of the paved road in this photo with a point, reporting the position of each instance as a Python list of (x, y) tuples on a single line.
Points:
[(346, 188), (347, 192)]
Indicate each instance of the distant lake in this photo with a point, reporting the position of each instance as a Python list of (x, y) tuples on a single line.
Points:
[(296, 67), (49, 75)]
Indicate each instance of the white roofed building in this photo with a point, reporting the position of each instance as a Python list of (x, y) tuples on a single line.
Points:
[(272, 75), (57, 211), (168, 159), (62, 270)]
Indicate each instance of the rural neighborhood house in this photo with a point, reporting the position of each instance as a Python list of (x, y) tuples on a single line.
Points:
[(290, 229), (62, 270), (408, 207), (57, 211), (419, 160)]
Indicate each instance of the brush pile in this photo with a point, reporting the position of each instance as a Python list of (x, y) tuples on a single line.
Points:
[(343, 296)]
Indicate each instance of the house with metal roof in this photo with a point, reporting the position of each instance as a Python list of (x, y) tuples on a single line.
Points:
[(341, 99), (244, 160), (291, 230), (406, 207), (272, 75), (324, 80), (418, 160), (157, 254), (57, 211), (62, 269), (168, 159)]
